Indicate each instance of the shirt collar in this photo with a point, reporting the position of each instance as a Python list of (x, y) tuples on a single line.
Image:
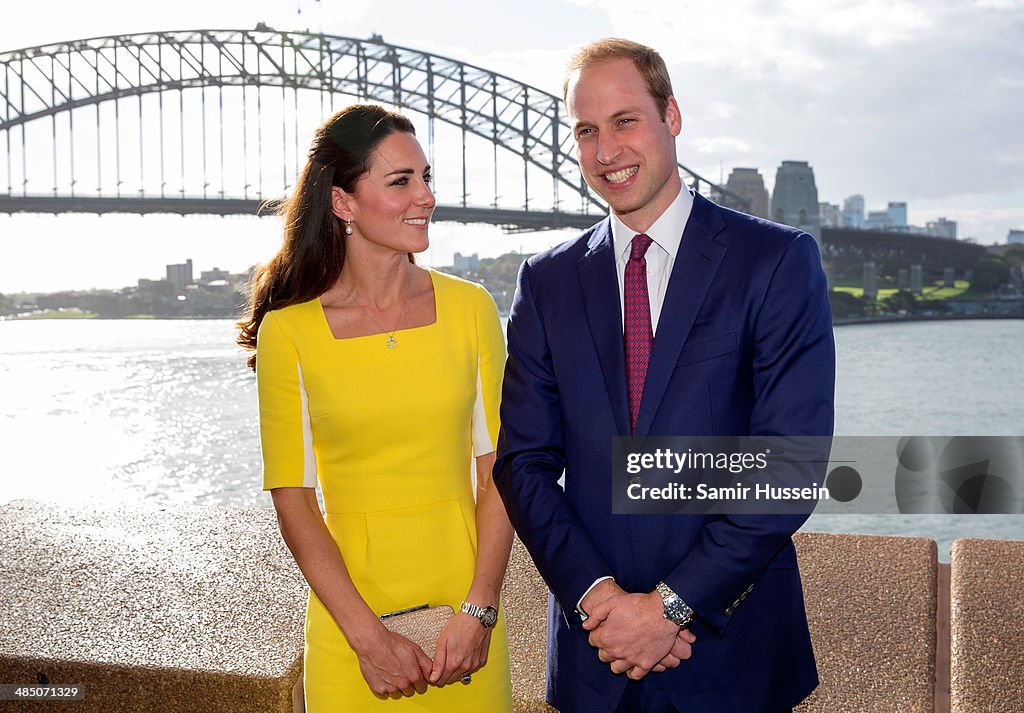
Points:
[(667, 230)]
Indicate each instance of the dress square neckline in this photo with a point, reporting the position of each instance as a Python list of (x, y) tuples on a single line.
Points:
[(330, 332)]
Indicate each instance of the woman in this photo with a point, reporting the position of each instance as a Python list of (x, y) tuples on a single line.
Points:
[(379, 379)]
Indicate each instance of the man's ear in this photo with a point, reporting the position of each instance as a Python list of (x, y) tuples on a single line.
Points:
[(673, 116), (341, 204)]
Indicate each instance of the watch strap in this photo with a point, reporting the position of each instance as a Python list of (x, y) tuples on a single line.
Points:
[(487, 615), (675, 609)]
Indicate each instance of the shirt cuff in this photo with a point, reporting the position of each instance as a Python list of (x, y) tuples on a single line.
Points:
[(579, 604)]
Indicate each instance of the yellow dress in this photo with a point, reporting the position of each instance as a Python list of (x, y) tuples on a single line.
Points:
[(389, 434)]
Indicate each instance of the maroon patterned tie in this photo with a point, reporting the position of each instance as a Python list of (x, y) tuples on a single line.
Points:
[(638, 334)]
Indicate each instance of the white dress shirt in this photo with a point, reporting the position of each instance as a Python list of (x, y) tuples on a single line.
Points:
[(666, 234)]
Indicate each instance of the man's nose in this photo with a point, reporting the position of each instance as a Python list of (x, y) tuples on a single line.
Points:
[(608, 148)]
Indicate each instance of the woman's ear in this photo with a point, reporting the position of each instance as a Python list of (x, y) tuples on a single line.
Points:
[(341, 204)]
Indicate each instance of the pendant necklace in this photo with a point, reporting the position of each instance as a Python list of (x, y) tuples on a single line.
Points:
[(391, 341)]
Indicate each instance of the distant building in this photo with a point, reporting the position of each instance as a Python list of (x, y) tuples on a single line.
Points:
[(942, 227), (853, 212), (897, 214), (1015, 237), (180, 275), (208, 276), (831, 215), (795, 198), (877, 220), (748, 183), (466, 263)]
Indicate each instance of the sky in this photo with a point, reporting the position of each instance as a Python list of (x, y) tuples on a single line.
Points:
[(897, 100)]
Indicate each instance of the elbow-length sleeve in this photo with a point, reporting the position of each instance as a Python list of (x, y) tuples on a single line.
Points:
[(491, 367), (286, 437)]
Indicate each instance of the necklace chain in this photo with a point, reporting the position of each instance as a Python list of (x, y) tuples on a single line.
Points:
[(391, 341)]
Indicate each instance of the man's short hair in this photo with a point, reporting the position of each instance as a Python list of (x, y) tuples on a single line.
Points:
[(647, 61)]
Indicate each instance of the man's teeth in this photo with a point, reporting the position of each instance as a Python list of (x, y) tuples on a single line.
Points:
[(416, 221), (620, 176)]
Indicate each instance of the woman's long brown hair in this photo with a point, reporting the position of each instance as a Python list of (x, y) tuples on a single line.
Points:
[(312, 253)]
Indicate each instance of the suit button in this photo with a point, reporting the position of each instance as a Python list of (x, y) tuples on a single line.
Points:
[(636, 480)]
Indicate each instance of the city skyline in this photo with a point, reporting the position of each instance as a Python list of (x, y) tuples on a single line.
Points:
[(897, 101)]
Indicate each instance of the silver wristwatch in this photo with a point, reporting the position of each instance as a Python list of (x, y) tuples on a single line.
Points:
[(676, 610), (488, 615)]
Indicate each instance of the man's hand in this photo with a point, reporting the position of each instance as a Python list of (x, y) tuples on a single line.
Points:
[(682, 649), (602, 590), (633, 636)]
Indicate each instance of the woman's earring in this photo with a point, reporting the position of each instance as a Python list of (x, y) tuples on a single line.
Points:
[(348, 227)]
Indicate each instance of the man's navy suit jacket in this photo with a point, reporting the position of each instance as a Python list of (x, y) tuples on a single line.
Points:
[(744, 346)]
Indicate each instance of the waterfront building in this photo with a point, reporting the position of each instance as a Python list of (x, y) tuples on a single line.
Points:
[(1015, 237), (748, 183), (897, 214), (853, 211), (795, 198), (877, 220), (942, 228), (466, 263), (831, 215), (180, 275), (214, 275)]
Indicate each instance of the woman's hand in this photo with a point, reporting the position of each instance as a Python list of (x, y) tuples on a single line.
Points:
[(461, 649), (393, 666)]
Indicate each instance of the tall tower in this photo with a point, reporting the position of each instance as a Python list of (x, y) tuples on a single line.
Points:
[(897, 214), (795, 198), (748, 183), (853, 211)]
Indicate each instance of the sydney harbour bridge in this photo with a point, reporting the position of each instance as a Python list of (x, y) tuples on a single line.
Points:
[(189, 122), (219, 121)]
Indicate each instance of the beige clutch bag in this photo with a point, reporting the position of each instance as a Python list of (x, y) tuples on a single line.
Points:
[(421, 624)]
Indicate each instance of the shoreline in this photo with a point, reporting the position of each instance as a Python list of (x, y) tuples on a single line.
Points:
[(847, 321)]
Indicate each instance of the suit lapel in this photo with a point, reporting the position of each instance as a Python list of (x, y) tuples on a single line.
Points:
[(604, 315), (696, 265)]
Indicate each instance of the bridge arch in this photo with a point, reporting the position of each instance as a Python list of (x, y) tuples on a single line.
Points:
[(520, 120)]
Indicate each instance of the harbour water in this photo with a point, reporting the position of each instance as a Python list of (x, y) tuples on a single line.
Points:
[(164, 412)]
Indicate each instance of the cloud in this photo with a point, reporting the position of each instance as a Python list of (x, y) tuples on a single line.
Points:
[(719, 145), (897, 100)]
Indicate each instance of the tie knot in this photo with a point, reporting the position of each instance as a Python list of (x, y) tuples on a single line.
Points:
[(640, 244)]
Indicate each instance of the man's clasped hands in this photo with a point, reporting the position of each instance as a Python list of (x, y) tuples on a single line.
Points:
[(631, 633)]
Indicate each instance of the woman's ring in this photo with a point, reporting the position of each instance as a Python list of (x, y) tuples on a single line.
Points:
[(466, 678)]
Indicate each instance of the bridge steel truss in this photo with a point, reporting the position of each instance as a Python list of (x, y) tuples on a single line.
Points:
[(108, 80)]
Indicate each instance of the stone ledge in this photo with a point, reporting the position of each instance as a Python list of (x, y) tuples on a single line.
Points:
[(986, 611), (200, 608), (158, 609), (871, 607)]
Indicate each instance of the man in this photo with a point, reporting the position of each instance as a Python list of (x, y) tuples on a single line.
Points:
[(673, 316)]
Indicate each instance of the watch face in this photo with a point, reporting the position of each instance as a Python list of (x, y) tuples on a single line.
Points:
[(489, 618)]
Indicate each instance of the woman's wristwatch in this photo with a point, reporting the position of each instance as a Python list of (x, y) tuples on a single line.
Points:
[(676, 610), (488, 615)]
